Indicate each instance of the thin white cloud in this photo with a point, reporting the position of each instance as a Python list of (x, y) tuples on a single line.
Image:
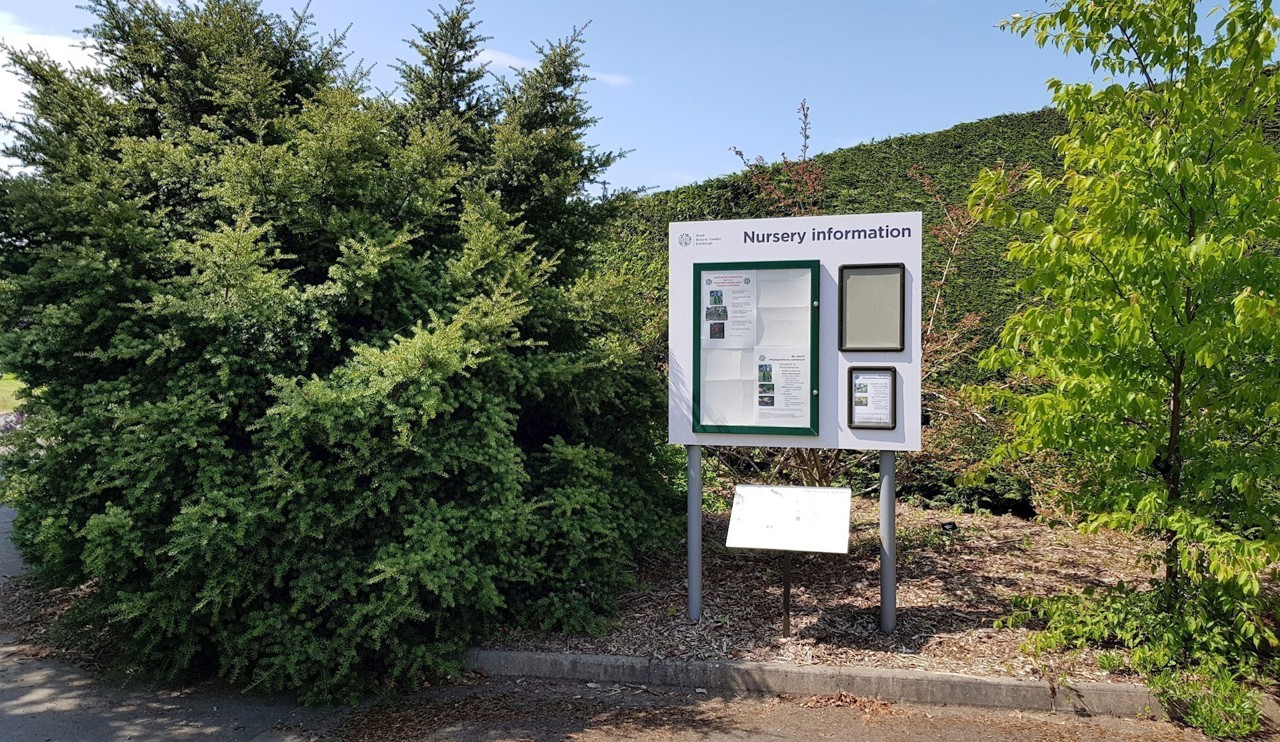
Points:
[(506, 60), (614, 81), (503, 59)]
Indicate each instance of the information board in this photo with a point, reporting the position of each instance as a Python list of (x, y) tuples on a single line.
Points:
[(720, 398), (790, 518), (756, 354)]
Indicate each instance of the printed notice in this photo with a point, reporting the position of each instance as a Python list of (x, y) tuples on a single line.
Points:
[(872, 398), (783, 395), (756, 337), (729, 309)]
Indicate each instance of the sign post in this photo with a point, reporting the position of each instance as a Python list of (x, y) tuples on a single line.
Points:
[(694, 535), (796, 332), (786, 595), (888, 546)]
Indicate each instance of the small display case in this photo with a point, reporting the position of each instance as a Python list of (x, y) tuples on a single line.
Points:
[(873, 398), (873, 307)]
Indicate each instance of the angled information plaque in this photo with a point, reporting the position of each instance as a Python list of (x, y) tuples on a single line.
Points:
[(790, 518), (755, 350)]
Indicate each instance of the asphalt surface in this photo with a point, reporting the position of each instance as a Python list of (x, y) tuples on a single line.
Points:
[(549, 711), (44, 700)]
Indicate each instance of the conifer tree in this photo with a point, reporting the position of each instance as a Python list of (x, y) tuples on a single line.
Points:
[(322, 390)]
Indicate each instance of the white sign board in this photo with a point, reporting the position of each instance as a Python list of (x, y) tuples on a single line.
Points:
[(715, 344), (790, 518)]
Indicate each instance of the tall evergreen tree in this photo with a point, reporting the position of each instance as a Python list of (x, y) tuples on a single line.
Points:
[(321, 388)]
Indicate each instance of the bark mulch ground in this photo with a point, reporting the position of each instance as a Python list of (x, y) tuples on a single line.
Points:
[(954, 582)]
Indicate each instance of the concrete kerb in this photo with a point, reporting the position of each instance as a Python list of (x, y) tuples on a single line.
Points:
[(910, 686)]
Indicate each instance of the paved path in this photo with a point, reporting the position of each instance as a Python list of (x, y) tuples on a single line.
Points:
[(504, 710), (47, 701)]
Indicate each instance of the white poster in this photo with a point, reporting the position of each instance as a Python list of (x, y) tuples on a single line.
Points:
[(729, 310), (782, 388)]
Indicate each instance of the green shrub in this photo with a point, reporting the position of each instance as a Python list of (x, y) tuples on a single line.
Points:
[(1210, 699), (1197, 663), (323, 387)]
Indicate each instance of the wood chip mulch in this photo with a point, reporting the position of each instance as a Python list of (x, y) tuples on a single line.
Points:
[(29, 613), (953, 583)]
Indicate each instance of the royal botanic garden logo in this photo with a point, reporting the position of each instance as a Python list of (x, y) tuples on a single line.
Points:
[(685, 240)]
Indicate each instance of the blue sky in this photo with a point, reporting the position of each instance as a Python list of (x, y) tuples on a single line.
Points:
[(682, 82)]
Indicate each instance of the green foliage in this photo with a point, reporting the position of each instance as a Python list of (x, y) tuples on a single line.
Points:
[(322, 388), (1111, 661), (1152, 333), (1131, 618), (1210, 699), (9, 391), (1195, 663), (916, 542)]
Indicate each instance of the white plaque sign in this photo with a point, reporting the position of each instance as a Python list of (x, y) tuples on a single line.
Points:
[(790, 518)]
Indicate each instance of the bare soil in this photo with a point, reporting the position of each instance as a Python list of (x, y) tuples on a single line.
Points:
[(957, 574)]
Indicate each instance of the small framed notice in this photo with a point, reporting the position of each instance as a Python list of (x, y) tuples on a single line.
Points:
[(790, 518), (873, 307), (873, 398)]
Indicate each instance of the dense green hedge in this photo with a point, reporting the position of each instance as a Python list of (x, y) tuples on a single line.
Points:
[(869, 178), (322, 389)]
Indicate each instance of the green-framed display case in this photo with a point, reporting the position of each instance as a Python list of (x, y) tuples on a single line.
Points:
[(756, 330)]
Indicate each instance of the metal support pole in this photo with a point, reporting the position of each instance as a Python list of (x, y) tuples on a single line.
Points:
[(888, 546), (695, 532), (786, 595)]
